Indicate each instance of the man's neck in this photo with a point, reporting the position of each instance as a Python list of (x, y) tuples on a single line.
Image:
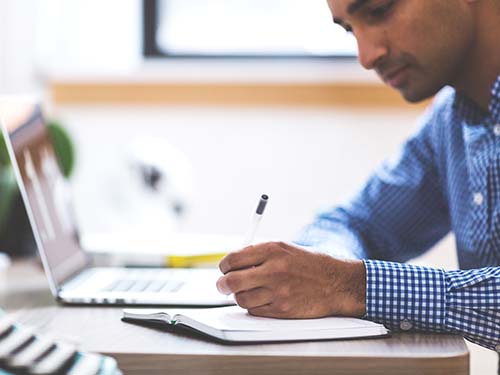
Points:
[(482, 65)]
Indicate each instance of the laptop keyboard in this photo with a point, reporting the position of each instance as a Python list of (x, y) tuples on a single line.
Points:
[(142, 284)]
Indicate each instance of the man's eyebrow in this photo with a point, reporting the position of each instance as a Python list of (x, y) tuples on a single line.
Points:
[(338, 21), (356, 5)]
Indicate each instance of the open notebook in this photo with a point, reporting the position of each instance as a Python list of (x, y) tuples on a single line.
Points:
[(234, 324)]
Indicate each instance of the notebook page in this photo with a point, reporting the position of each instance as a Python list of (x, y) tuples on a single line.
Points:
[(234, 318)]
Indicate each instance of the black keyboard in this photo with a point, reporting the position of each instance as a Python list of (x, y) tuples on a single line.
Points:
[(24, 351)]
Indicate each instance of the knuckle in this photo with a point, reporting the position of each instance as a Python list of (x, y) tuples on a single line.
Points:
[(232, 261), (282, 307), (247, 250), (283, 292), (242, 300), (281, 266), (273, 246), (255, 312), (232, 282), (282, 244)]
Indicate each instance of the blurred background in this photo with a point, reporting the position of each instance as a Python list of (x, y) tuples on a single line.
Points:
[(182, 112)]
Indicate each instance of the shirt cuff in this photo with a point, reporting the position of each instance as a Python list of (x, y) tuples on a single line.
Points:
[(405, 297)]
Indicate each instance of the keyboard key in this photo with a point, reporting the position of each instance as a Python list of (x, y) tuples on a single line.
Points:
[(27, 357), (172, 286), (56, 361), (111, 286), (140, 285), (14, 341), (150, 285), (123, 286), (156, 286), (109, 367), (6, 325), (86, 363)]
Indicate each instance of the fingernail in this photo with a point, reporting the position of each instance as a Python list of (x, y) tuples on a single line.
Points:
[(222, 286), (223, 266)]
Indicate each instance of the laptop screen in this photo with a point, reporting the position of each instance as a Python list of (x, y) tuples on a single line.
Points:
[(45, 191)]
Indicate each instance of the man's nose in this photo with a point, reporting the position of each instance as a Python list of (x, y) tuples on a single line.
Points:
[(370, 50)]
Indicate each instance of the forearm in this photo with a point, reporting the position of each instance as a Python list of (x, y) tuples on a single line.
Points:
[(405, 297)]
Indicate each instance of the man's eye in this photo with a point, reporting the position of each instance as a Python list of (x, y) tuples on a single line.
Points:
[(381, 11)]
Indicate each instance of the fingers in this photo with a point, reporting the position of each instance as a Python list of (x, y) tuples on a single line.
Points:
[(242, 280), (265, 311), (253, 298), (247, 257)]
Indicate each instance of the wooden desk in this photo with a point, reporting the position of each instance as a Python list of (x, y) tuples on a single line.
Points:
[(140, 350)]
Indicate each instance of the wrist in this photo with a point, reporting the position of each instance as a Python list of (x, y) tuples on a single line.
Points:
[(355, 288)]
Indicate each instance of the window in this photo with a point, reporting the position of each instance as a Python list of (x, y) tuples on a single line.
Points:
[(243, 28)]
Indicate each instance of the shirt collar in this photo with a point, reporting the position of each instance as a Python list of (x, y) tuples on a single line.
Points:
[(471, 112)]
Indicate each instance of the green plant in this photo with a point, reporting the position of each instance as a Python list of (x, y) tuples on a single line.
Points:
[(8, 194), (63, 147), (4, 155), (8, 186)]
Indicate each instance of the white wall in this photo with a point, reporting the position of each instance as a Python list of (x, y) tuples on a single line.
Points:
[(304, 159), (40, 38), (17, 41), (89, 36)]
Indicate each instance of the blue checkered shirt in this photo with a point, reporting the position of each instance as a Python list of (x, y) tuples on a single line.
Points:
[(445, 178)]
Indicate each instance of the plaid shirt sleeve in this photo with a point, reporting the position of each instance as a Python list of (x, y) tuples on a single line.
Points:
[(406, 297), (399, 213)]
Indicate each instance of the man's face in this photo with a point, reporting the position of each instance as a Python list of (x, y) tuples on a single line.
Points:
[(415, 46)]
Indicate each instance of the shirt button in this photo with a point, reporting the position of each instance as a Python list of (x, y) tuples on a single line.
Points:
[(405, 325), (496, 129), (478, 199)]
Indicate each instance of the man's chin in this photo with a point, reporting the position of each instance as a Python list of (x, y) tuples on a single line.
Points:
[(417, 96)]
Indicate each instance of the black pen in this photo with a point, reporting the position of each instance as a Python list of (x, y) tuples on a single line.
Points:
[(256, 218)]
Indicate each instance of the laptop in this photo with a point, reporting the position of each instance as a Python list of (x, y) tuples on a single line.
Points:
[(72, 277)]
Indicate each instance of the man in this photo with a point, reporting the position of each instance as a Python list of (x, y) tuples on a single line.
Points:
[(447, 177)]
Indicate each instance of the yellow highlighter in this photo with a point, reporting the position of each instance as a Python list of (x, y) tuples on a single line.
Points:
[(192, 261)]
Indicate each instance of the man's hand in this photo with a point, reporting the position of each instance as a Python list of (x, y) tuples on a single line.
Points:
[(280, 280)]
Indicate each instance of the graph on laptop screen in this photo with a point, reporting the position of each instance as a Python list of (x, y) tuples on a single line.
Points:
[(45, 191)]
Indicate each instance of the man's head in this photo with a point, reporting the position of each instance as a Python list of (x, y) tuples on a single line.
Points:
[(415, 46)]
